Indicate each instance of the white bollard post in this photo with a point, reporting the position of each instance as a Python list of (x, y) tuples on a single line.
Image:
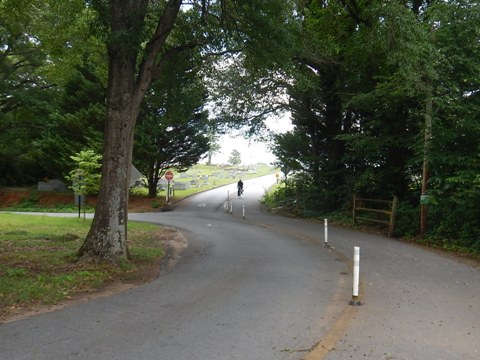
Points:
[(231, 207), (326, 231), (243, 211), (356, 276), (228, 195), (356, 270)]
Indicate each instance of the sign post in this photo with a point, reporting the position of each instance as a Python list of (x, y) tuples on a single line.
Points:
[(169, 177), (79, 190)]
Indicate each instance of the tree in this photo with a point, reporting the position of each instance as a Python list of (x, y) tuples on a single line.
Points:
[(25, 94), (454, 182), (235, 158), (178, 145), (137, 52), (172, 129), (41, 47), (107, 238), (77, 121), (356, 95), (85, 177), (318, 102), (214, 146)]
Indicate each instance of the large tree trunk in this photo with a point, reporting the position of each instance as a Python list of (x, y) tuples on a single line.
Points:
[(107, 238)]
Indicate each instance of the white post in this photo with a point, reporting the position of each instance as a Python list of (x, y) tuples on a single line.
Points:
[(228, 194), (243, 210), (356, 275), (231, 207), (325, 221)]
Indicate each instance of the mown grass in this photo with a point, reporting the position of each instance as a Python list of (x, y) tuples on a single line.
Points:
[(38, 263)]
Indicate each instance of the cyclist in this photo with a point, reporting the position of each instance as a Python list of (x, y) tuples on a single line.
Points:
[(239, 188)]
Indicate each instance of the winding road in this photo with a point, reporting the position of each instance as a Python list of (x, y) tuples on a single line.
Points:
[(254, 286)]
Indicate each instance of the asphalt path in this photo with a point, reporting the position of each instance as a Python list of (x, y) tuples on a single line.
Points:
[(238, 290), (261, 286)]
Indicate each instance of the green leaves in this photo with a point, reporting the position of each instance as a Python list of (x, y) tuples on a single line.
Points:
[(172, 129), (364, 76), (85, 177)]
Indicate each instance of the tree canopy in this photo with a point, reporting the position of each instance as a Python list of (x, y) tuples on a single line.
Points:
[(379, 90)]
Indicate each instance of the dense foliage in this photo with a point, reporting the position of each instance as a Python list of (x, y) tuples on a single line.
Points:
[(172, 129), (368, 76)]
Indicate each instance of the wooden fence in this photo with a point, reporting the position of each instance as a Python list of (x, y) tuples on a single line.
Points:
[(377, 211)]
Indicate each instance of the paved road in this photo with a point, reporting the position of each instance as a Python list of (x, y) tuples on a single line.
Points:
[(239, 291), (264, 287), (418, 305)]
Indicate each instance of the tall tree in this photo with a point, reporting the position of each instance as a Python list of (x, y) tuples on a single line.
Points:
[(107, 238), (455, 149), (235, 157), (25, 93), (214, 146), (41, 47), (138, 48), (76, 123), (172, 129)]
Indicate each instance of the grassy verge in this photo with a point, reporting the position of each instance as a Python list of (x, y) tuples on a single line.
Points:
[(38, 264)]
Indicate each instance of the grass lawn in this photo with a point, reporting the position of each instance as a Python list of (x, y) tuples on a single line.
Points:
[(38, 264)]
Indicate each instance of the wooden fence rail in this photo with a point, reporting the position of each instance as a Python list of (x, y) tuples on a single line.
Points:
[(377, 211)]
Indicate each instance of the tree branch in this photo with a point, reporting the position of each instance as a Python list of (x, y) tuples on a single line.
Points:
[(164, 27)]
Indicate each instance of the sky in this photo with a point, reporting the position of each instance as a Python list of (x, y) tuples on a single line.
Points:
[(251, 151)]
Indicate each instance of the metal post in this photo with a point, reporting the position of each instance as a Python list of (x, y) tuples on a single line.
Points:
[(243, 211), (168, 192)]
